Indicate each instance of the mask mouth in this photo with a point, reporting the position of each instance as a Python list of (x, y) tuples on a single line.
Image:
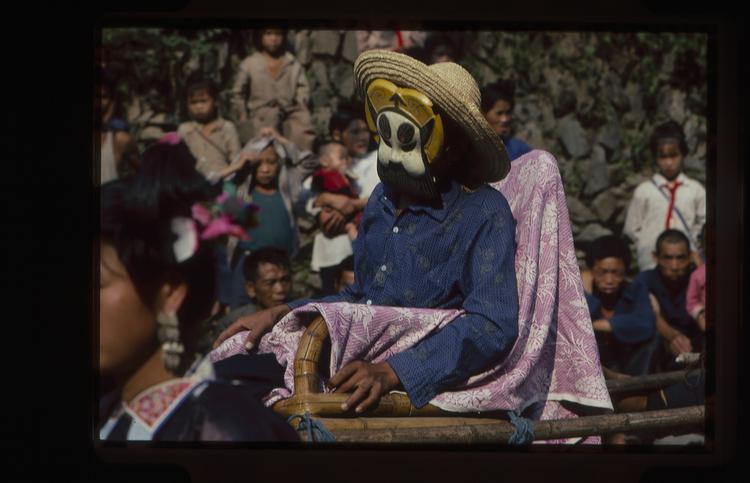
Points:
[(396, 177)]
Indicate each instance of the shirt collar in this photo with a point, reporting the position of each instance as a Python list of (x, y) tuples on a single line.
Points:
[(218, 123), (448, 199), (661, 180)]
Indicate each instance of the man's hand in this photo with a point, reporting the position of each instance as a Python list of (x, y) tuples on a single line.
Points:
[(332, 222), (701, 319), (679, 344), (369, 381), (602, 325), (258, 324)]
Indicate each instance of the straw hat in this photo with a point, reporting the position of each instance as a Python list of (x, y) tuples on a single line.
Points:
[(453, 90)]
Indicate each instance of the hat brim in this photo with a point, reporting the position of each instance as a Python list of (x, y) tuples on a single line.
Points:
[(493, 163)]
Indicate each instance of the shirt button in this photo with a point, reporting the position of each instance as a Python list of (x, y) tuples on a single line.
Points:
[(383, 268), (369, 302), (395, 229)]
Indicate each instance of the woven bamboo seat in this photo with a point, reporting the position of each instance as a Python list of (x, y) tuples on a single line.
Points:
[(307, 383)]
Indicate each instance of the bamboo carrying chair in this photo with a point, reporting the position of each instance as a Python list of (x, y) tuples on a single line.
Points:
[(396, 419)]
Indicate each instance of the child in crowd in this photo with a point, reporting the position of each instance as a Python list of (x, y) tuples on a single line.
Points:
[(334, 177), (669, 200), (270, 89), (212, 140), (696, 292), (274, 184), (214, 143), (498, 101)]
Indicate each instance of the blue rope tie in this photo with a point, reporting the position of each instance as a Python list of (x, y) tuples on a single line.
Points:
[(524, 429), (316, 432)]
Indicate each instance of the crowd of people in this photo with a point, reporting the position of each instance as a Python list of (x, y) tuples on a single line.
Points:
[(268, 162)]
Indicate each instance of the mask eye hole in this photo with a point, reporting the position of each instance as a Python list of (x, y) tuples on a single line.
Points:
[(405, 134), (385, 128)]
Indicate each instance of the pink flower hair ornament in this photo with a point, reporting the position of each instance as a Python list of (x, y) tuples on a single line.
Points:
[(229, 215)]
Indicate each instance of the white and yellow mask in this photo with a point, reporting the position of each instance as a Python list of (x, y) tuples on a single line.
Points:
[(410, 136)]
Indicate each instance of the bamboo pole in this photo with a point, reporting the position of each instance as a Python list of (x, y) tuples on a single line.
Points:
[(678, 420), (642, 384)]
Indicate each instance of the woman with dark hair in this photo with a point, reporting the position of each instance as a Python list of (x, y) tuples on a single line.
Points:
[(156, 287), (498, 101)]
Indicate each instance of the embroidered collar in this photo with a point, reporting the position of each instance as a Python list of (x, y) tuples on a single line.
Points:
[(153, 405)]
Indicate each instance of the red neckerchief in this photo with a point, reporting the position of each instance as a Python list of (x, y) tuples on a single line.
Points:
[(672, 194), (399, 39)]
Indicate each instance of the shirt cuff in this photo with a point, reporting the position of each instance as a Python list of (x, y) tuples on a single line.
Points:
[(413, 377)]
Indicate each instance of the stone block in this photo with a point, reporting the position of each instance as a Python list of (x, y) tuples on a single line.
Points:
[(591, 232), (610, 135), (604, 205), (597, 178), (578, 211), (573, 137), (349, 50), (325, 42), (341, 76)]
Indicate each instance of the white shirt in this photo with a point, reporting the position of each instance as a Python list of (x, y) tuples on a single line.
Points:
[(647, 213), (366, 169)]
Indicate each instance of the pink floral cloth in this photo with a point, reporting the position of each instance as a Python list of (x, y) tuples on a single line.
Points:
[(696, 291), (555, 358)]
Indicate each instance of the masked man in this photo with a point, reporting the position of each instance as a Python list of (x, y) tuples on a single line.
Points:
[(433, 234)]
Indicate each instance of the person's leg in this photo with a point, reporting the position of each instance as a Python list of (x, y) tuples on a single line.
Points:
[(606, 353)]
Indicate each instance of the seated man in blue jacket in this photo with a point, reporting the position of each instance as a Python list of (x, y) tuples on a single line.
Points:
[(433, 234), (621, 311)]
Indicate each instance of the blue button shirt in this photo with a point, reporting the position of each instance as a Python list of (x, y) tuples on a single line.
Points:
[(673, 306), (634, 320), (458, 255), (515, 148)]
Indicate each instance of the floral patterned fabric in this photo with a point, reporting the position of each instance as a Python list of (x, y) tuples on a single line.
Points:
[(153, 405), (554, 359)]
